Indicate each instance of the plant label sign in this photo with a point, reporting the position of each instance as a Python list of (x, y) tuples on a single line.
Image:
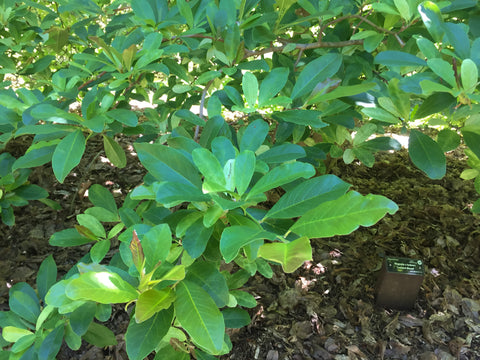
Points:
[(399, 282)]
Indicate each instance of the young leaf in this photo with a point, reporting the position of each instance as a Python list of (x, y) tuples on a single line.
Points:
[(13, 334), (235, 237), (315, 72), (282, 175), (426, 154), (156, 245), (290, 255), (307, 195), (92, 224), (68, 237), (102, 286), (343, 215), (250, 89), (210, 167), (199, 316), (137, 253), (99, 250), (151, 302), (47, 276), (68, 154)]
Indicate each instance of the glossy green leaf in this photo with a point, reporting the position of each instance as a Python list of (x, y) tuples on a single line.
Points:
[(301, 117), (315, 72), (426, 154), (273, 83), (212, 214), (92, 224), (380, 114), (398, 58), (24, 302), (235, 318), (403, 8), (243, 170), (114, 152), (210, 167), (21, 344), (457, 37), (168, 164), (47, 276), (186, 11), (282, 175), (471, 136), (307, 195), (443, 69), (223, 149), (99, 250), (102, 197), (199, 316), (432, 18), (343, 215), (124, 116), (250, 88), (448, 140), (235, 237), (102, 286), (190, 117), (427, 47), (244, 298), (208, 276), (51, 344), (68, 154), (469, 75), (151, 302), (291, 255), (35, 157), (170, 193), (400, 99), (254, 135)]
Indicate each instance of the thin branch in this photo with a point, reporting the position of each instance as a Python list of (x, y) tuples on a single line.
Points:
[(202, 107), (303, 47), (91, 80)]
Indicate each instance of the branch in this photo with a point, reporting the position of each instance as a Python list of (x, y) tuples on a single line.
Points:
[(303, 47), (91, 80)]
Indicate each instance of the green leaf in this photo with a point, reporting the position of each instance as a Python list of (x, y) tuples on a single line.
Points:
[(151, 302), (243, 170), (398, 58), (250, 88), (102, 197), (235, 318), (114, 152), (443, 69), (13, 334), (244, 298), (448, 140), (102, 286), (126, 117), (199, 316), (35, 157), (186, 12), (168, 164), (23, 301), (290, 255), (68, 154), (51, 344), (208, 276), (235, 237), (469, 75), (68, 237), (457, 37), (301, 117), (426, 154), (190, 117), (380, 115), (471, 136), (254, 135), (308, 195), (82, 317), (341, 91), (282, 153), (92, 224), (404, 9), (99, 250), (21, 344), (47, 276), (99, 335), (156, 245), (196, 238), (169, 193), (432, 18), (400, 99), (282, 175), (343, 215), (427, 47), (273, 83), (315, 72), (435, 103), (210, 167)]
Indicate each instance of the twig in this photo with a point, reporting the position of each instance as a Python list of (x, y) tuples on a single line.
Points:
[(202, 107), (91, 80)]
